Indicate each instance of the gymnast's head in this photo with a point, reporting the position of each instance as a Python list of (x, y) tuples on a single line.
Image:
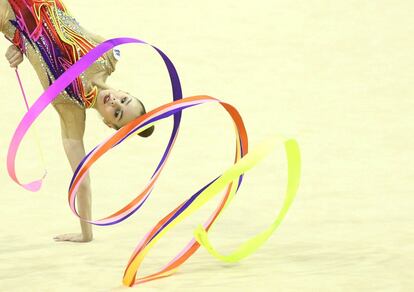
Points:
[(118, 108)]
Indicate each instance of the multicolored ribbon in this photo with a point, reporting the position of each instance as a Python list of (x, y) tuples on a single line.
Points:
[(232, 178)]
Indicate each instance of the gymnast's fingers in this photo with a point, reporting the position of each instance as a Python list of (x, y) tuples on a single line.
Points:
[(15, 60), (11, 55), (14, 57), (8, 54), (11, 51)]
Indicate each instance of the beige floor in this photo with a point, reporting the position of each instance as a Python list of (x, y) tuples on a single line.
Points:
[(335, 75)]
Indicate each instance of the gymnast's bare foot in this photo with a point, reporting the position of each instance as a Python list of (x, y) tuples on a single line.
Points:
[(73, 237)]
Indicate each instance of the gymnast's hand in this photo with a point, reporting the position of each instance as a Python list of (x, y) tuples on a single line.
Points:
[(74, 237), (14, 56)]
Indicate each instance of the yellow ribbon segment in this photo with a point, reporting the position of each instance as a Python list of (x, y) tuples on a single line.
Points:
[(251, 245)]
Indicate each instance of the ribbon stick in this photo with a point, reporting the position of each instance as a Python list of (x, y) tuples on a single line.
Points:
[(39, 148), (230, 180)]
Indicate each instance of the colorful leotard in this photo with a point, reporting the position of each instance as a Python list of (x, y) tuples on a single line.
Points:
[(57, 38)]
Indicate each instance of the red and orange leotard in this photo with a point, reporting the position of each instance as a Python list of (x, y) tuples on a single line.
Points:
[(48, 28)]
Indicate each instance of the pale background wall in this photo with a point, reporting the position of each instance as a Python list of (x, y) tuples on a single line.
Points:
[(335, 75)]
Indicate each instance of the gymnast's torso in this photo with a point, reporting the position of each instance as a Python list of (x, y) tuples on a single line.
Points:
[(52, 40)]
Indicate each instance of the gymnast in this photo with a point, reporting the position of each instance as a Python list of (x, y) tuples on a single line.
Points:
[(52, 40)]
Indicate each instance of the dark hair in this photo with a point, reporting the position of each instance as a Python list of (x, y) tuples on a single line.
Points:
[(148, 132)]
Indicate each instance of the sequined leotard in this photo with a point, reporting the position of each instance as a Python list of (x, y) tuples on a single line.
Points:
[(53, 40)]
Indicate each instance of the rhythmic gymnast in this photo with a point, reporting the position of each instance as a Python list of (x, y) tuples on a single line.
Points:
[(52, 40)]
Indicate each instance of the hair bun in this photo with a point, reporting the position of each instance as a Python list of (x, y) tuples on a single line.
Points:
[(148, 132)]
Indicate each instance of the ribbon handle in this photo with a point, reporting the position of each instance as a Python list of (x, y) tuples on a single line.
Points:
[(38, 145)]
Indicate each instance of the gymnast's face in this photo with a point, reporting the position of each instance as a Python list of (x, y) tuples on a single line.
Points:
[(118, 108)]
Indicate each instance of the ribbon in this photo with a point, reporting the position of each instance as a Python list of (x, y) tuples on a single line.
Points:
[(232, 178)]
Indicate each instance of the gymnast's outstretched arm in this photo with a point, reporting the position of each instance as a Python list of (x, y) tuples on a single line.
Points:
[(4, 7), (72, 120)]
